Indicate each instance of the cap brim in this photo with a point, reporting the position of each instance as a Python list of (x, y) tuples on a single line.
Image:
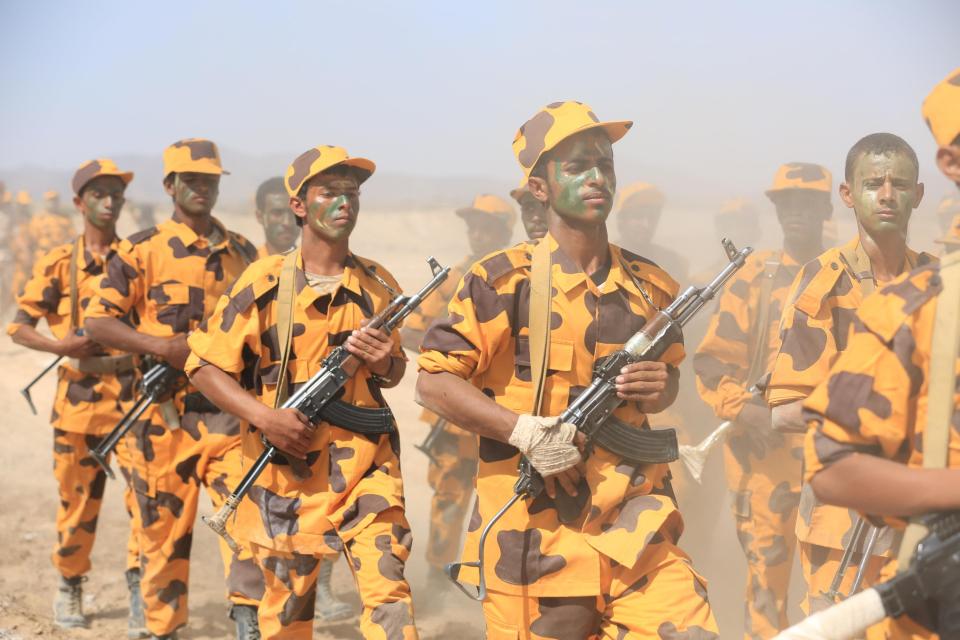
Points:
[(367, 166), (770, 192), (615, 129)]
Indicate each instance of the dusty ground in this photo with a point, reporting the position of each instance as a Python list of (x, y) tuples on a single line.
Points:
[(28, 499)]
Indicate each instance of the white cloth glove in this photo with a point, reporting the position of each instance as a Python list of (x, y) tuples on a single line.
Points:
[(546, 442)]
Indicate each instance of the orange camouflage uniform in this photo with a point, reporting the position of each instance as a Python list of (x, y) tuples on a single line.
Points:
[(617, 571), (86, 406), (813, 332), (455, 452), (762, 466), (349, 496), (874, 400), (169, 279)]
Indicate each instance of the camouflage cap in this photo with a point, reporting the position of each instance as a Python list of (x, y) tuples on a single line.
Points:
[(192, 155), (952, 236), (949, 205), (640, 194), (23, 197), (492, 206), (941, 109), (737, 207), (801, 175), (555, 123), (317, 160), (94, 169), (51, 194), (522, 189)]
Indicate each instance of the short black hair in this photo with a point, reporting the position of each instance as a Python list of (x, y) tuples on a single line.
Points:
[(273, 185), (879, 144)]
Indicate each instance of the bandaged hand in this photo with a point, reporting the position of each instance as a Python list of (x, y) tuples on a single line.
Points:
[(546, 442)]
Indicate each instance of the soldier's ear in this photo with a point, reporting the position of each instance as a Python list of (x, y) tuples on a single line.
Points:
[(919, 198), (78, 203), (538, 188), (845, 195), (298, 208), (948, 160)]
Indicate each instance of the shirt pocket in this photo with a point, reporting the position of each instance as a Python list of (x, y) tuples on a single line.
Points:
[(559, 360), (172, 300)]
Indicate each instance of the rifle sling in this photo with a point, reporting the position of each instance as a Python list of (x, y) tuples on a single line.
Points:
[(540, 305), (74, 285), (942, 377)]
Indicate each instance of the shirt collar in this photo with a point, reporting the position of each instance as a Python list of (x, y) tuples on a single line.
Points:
[(188, 236), (354, 279), (89, 261)]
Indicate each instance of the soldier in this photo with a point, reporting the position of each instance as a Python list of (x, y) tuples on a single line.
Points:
[(763, 466), (616, 571), (169, 277), (738, 220), (881, 187), (50, 228), (280, 228), (533, 214), (948, 217), (490, 221), (333, 488), (20, 240), (94, 387), (878, 406), (638, 211)]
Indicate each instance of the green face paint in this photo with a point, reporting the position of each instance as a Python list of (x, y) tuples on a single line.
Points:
[(884, 193), (101, 201), (195, 194), (581, 179), (333, 203), (279, 223)]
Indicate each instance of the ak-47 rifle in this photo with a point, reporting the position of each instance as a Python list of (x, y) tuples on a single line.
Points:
[(318, 391), (592, 411), (159, 381), (928, 590), (426, 447)]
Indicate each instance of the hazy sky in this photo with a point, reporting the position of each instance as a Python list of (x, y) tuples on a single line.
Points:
[(721, 92)]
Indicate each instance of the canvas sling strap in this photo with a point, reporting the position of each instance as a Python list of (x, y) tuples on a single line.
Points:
[(638, 446), (759, 360), (111, 365), (342, 414), (942, 377)]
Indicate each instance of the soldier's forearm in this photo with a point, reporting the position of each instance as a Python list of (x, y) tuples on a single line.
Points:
[(113, 333), (224, 391), (885, 488), (29, 337), (461, 403), (788, 418)]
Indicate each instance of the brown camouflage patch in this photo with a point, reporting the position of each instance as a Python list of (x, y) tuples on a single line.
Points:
[(338, 454), (301, 168), (566, 618), (805, 172), (199, 149), (365, 505), (669, 631), (279, 514), (85, 174), (521, 561), (803, 343), (393, 618), (535, 132)]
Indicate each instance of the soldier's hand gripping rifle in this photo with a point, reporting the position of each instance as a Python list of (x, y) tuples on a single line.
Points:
[(25, 392), (426, 447), (318, 391), (159, 381), (929, 590), (592, 411)]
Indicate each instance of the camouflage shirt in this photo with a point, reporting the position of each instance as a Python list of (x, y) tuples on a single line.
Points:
[(348, 478), (85, 402), (874, 400), (484, 339)]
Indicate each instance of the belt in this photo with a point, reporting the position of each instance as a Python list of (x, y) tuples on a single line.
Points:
[(103, 364), (196, 402), (363, 420)]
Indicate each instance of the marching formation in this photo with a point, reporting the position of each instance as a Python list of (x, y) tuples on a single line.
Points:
[(192, 359)]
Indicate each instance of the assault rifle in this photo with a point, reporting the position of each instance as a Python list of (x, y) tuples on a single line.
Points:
[(426, 447), (312, 398), (928, 590), (159, 381), (592, 411)]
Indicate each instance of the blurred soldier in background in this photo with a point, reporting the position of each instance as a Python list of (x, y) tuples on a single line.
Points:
[(948, 217), (638, 211), (533, 214), (738, 220), (280, 228), (763, 466), (20, 240), (49, 228), (490, 221)]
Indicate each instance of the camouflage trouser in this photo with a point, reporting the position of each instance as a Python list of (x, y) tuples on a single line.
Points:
[(763, 475), (661, 597), (820, 564), (452, 482), (376, 556), (81, 483), (167, 489)]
